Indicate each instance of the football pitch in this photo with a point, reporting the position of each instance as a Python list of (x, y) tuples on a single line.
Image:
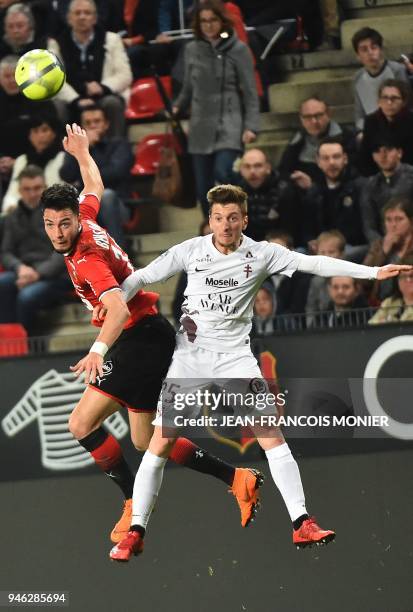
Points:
[(197, 558)]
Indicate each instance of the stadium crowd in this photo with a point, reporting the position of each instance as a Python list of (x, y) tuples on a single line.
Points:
[(339, 190)]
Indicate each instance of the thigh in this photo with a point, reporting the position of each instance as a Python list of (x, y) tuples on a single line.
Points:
[(8, 281), (137, 364), (141, 428), (93, 408), (37, 293)]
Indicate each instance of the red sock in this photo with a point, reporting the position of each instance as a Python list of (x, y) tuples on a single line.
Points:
[(183, 450), (108, 454)]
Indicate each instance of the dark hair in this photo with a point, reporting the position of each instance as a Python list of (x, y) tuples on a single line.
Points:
[(53, 122), (274, 234), (228, 194), (401, 202), (219, 10), (30, 171), (60, 196), (365, 33), (386, 140), (404, 88), (331, 140), (94, 107)]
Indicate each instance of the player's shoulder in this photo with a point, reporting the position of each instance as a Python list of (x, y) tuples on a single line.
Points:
[(89, 204)]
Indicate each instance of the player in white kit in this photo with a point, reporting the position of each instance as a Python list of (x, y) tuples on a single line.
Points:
[(225, 270)]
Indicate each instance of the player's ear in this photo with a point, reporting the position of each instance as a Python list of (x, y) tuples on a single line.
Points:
[(245, 222)]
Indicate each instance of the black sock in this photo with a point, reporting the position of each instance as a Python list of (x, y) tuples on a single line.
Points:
[(298, 522), (107, 454), (195, 458), (139, 529)]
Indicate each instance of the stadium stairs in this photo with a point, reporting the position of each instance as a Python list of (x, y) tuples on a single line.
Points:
[(327, 74)]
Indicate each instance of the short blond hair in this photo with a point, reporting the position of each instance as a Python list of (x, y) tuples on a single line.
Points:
[(228, 194)]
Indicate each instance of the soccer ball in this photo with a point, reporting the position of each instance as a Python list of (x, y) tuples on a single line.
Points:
[(39, 74)]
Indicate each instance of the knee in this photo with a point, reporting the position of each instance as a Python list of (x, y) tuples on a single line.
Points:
[(78, 427), (140, 440)]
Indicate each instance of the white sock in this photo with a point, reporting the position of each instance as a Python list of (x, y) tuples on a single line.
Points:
[(148, 481), (286, 475)]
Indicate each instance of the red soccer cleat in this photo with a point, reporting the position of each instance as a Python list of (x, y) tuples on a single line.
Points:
[(245, 489), (131, 545), (310, 533), (120, 530)]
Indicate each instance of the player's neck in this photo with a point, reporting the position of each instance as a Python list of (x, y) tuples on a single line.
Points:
[(226, 249)]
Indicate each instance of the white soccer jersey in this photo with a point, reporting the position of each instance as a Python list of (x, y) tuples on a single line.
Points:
[(219, 297)]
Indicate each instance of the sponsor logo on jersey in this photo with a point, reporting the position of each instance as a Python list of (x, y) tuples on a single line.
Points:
[(206, 259), (222, 282)]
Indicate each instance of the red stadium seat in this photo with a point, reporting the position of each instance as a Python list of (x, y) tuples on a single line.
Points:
[(13, 340), (145, 101), (148, 152)]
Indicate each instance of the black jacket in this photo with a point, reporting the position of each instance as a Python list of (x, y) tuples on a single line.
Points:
[(272, 206), (290, 159), (376, 129), (25, 241), (340, 208), (114, 158), (377, 191)]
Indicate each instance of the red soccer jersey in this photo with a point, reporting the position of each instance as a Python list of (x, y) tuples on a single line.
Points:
[(98, 265)]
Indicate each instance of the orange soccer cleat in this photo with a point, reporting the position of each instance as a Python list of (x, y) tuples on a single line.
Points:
[(122, 527), (132, 544), (310, 533), (245, 489)]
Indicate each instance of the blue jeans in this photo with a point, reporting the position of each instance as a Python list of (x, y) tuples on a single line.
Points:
[(214, 168), (112, 214), (21, 305)]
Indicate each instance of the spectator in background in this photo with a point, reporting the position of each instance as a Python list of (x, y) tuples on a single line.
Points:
[(179, 297), (109, 15), (329, 244), (299, 160), (272, 201), (289, 293), (333, 201), (394, 179), (345, 299), (397, 242), (114, 158), (399, 306), (393, 119), (219, 85), (44, 150), (40, 10), (15, 113), (35, 275), (264, 322), (368, 46), (19, 32), (97, 67)]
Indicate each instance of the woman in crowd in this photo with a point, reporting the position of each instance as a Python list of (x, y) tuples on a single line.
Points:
[(399, 306), (219, 87), (393, 119), (396, 244)]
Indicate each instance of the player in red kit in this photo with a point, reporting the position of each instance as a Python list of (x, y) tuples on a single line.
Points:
[(132, 352)]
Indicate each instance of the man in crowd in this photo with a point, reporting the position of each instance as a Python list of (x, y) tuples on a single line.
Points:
[(114, 158), (272, 201), (394, 179), (345, 299), (299, 161), (333, 201), (35, 276), (368, 46), (97, 67)]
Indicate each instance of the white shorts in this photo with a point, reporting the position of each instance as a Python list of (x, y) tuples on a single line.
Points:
[(194, 367)]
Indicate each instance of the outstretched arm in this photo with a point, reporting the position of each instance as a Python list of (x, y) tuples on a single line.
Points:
[(329, 266), (77, 144)]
